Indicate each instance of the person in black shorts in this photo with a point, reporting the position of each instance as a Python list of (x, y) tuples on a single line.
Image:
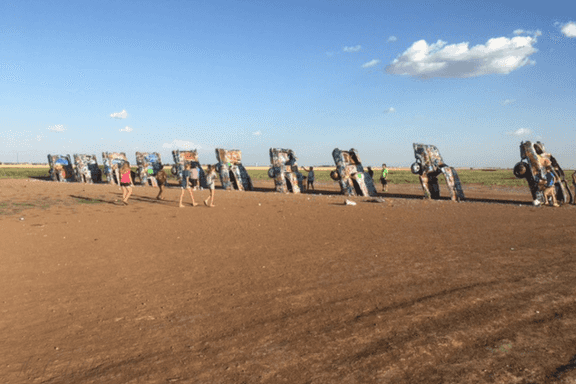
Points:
[(126, 182), (384, 178)]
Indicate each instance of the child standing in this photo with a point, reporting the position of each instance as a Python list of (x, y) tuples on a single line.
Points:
[(185, 184), (126, 182), (384, 178), (210, 177), (310, 179)]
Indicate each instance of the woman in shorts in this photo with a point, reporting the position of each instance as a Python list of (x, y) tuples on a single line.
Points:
[(210, 178), (185, 184), (126, 182)]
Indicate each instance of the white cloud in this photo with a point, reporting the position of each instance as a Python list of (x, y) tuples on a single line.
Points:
[(126, 129), (352, 49), (371, 63), (392, 39), (39, 137), (535, 33), (119, 115), (569, 29), (257, 133), (498, 56), (521, 132), (507, 101), (181, 144), (56, 128), (390, 110)]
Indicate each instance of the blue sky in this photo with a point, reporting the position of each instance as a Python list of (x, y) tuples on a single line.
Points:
[(473, 78)]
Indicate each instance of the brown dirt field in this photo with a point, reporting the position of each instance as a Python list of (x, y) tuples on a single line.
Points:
[(273, 288)]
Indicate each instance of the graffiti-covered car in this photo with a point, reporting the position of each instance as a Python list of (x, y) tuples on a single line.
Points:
[(61, 168), (428, 166), (86, 168), (350, 174), (181, 158), (532, 169), (232, 173), (284, 170), (149, 164), (113, 161)]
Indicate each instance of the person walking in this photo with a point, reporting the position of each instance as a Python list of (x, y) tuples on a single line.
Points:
[(161, 179), (126, 182), (210, 179), (195, 177), (185, 184)]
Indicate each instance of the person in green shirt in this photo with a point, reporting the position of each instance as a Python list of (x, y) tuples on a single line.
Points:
[(384, 178)]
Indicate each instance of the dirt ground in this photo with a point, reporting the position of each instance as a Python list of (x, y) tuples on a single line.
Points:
[(273, 288)]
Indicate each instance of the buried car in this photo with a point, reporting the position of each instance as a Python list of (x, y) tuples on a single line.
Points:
[(181, 158), (532, 168), (113, 161), (284, 170), (429, 164), (149, 164), (350, 174), (61, 168), (232, 173), (86, 168)]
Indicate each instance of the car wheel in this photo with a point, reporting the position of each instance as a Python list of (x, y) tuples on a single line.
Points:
[(174, 170), (416, 168), (521, 170), (335, 175), (271, 173)]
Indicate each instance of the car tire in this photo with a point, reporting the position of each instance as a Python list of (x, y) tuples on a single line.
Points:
[(271, 173), (335, 175), (521, 170), (174, 170), (416, 168)]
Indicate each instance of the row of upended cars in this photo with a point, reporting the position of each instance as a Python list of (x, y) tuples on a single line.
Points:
[(85, 168), (536, 166)]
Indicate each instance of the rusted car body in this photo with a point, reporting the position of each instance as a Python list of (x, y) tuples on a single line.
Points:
[(61, 168), (429, 164), (232, 173), (530, 168), (284, 170), (181, 158), (350, 174), (113, 161), (149, 164), (86, 169)]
